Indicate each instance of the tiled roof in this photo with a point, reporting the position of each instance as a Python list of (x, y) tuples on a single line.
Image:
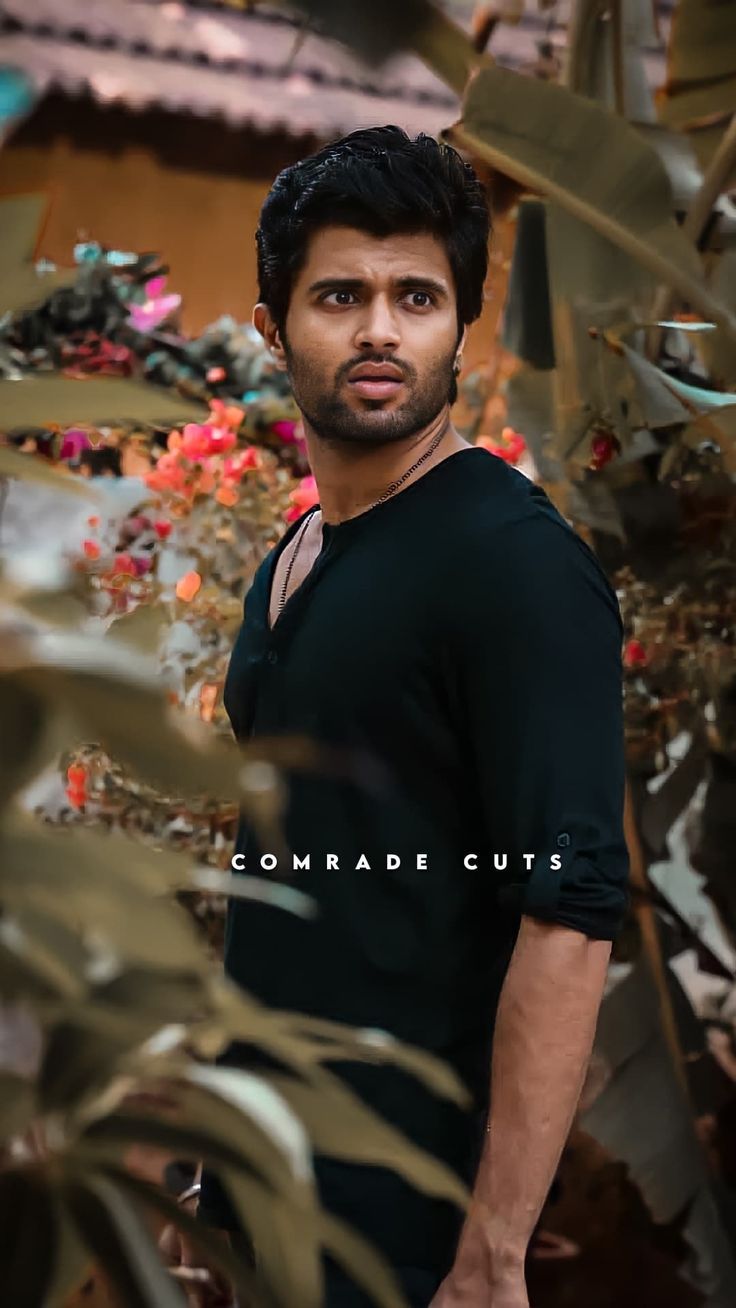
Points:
[(258, 67)]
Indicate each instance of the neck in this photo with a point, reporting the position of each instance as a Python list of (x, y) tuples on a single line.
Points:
[(350, 478)]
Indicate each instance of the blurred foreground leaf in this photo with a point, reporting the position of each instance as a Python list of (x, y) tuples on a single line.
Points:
[(21, 286), (40, 399), (116, 1237), (32, 467)]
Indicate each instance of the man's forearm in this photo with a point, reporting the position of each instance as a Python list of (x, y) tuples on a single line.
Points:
[(544, 1034)]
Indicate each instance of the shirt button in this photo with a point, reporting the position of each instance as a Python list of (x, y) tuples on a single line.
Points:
[(563, 840), (272, 656)]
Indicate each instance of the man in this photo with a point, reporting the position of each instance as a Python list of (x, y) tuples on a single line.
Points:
[(435, 615)]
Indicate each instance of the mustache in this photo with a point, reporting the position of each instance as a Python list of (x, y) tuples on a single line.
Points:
[(406, 369)]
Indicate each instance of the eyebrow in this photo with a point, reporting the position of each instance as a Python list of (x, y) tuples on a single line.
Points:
[(419, 282)]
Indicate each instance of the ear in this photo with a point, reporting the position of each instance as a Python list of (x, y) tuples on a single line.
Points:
[(461, 342), (266, 326)]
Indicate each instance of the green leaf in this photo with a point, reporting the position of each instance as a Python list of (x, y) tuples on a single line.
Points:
[(17, 1104), (288, 1239), (361, 1260), (201, 1127), (377, 30), (76, 1065), (117, 696), (21, 287), (31, 467), (340, 1125), (302, 1041), (715, 350), (530, 404), (217, 1252), (99, 884), (662, 400), (374, 30), (527, 320), (23, 715), (256, 1099), (283, 1228), (142, 628), (28, 1237), (446, 49), (73, 1263), (718, 426), (40, 399), (593, 164), (46, 950), (119, 1241), (605, 55), (701, 62)]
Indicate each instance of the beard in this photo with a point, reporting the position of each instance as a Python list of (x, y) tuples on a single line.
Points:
[(335, 422)]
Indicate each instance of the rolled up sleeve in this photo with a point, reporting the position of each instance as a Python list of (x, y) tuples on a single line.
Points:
[(540, 683)]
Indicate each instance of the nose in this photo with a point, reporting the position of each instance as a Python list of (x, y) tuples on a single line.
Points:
[(378, 328)]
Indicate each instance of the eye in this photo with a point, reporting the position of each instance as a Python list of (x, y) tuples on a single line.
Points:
[(421, 299), (343, 297)]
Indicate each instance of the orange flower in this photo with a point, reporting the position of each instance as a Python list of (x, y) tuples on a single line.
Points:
[(91, 549), (302, 498), (187, 586), (207, 701), (227, 496), (223, 415)]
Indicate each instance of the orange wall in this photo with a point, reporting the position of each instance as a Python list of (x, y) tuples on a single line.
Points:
[(186, 188)]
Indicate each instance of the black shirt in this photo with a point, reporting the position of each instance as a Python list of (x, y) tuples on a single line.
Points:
[(461, 645)]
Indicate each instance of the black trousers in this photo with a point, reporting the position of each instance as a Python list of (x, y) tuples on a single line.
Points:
[(419, 1284)]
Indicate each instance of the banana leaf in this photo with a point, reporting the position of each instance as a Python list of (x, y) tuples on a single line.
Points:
[(594, 165), (377, 30), (701, 62)]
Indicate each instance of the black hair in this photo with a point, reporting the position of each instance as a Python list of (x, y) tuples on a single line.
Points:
[(102, 459), (381, 181)]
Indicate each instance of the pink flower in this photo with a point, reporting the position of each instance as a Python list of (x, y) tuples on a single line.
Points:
[(155, 286), (221, 441), (285, 429), (302, 498), (148, 316), (196, 440), (235, 465), (73, 442)]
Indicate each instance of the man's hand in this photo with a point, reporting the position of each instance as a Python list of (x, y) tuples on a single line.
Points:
[(210, 1290), (481, 1278)]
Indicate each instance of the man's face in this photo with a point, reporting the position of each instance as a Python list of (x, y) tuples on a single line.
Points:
[(371, 335)]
